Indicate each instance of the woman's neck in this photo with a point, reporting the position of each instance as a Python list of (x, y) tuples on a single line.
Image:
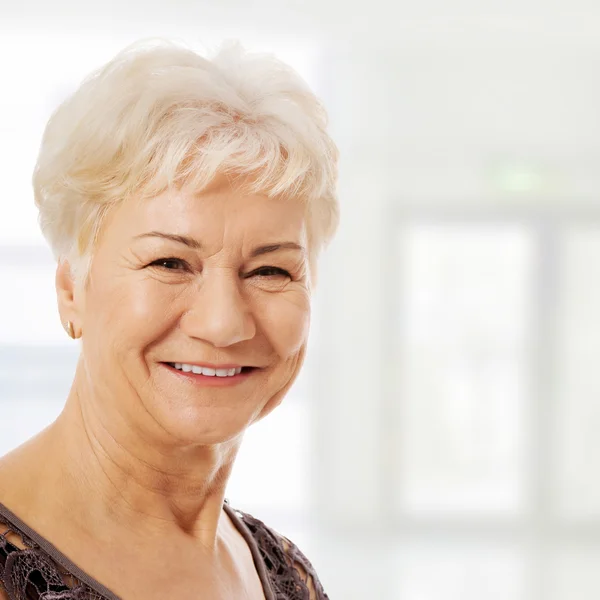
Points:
[(112, 479)]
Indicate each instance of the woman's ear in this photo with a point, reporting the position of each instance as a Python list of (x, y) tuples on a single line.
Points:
[(67, 295)]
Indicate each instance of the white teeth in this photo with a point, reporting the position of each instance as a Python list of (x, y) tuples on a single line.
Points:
[(188, 368)]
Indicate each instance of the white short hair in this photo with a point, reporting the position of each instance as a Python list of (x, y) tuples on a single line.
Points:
[(159, 115)]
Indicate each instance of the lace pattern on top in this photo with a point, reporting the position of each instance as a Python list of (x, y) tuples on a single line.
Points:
[(30, 573), (290, 572)]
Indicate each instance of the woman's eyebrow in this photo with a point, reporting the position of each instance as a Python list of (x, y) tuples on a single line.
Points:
[(196, 245), (277, 246), (180, 239)]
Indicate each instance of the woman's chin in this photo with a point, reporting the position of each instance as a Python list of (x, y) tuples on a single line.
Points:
[(202, 427)]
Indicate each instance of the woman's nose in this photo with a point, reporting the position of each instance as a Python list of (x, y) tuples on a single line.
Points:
[(220, 313)]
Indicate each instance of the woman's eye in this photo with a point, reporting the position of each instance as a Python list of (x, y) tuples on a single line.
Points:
[(170, 264), (271, 272)]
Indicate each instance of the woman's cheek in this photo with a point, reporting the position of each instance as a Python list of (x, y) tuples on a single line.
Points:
[(135, 309), (286, 323)]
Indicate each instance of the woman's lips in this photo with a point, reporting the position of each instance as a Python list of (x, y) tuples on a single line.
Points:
[(208, 376)]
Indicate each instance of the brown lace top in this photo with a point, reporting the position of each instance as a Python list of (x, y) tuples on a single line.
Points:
[(39, 571)]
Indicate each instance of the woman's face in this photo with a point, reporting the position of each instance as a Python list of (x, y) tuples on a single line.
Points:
[(212, 282)]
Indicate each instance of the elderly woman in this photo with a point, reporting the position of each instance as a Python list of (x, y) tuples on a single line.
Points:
[(186, 201)]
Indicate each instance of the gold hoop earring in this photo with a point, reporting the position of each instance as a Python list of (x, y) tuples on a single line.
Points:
[(70, 330)]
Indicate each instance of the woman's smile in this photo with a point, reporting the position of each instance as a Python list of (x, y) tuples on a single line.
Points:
[(211, 375)]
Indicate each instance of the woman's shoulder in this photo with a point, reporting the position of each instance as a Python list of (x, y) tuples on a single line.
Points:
[(289, 570)]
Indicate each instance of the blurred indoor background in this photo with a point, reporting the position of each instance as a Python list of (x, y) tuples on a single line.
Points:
[(443, 442)]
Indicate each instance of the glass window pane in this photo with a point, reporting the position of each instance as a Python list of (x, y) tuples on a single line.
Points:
[(455, 569), (578, 387), (573, 572), (34, 384), (271, 472), (24, 417), (29, 314), (462, 366)]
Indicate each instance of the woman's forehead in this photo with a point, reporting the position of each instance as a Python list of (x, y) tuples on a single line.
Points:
[(223, 214)]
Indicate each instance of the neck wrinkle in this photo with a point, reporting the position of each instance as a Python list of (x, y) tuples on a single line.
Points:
[(109, 475)]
